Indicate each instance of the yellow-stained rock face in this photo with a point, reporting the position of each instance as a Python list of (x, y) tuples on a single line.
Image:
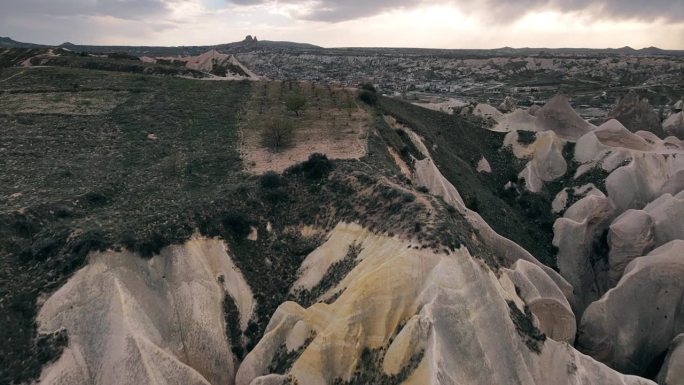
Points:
[(448, 310)]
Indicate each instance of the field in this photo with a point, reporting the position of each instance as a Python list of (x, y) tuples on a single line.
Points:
[(92, 159), (331, 122)]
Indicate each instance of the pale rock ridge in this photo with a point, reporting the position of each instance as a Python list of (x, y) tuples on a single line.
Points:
[(212, 62), (547, 163), (457, 322), (207, 61), (335, 248), (517, 120), (132, 320), (645, 178), (574, 235), (428, 175), (507, 105), (558, 116), (486, 111), (611, 145), (652, 289)]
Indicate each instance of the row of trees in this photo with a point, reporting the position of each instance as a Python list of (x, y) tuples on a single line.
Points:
[(278, 132)]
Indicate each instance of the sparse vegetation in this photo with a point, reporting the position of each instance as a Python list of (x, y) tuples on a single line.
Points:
[(370, 367), (283, 358), (368, 97), (457, 143), (533, 337), (278, 134), (526, 137), (335, 273)]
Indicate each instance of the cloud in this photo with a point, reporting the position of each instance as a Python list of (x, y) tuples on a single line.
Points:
[(344, 10), (56, 21), (122, 9), (438, 23)]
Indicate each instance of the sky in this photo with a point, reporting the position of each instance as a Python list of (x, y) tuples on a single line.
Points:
[(350, 23)]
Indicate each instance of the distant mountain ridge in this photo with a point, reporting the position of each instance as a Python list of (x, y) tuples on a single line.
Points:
[(7, 42), (250, 45)]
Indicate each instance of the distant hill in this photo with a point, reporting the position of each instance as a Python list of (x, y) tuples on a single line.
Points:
[(242, 46), (6, 42), (250, 45)]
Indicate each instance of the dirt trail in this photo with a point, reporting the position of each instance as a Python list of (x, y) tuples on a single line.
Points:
[(13, 76)]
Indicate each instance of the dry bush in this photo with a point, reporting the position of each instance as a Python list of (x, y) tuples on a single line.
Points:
[(277, 134)]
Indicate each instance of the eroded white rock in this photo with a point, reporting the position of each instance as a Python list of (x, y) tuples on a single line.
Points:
[(636, 232), (132, 320), (672, 372), (574, 235), (545, 300)]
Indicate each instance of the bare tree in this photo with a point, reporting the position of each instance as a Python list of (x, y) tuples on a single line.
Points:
[(277, 134)]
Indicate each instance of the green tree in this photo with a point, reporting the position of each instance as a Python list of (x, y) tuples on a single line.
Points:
[(295, 103)]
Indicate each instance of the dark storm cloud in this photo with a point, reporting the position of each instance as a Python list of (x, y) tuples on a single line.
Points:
[(341, 10)]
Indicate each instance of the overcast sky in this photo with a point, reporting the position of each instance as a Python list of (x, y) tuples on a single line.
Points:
[(338, 23)]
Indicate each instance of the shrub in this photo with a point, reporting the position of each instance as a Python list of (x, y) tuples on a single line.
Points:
[(368, 97), (237, 223), (526, 137), (276, 196), (270, 180), (368, 87), (317, 166), (277, 134)]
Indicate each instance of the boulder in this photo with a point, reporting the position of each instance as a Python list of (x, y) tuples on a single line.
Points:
[(634, 323), (486, 111), (507, 105), (576, 235), (636, 232), (545, 300), (636, 113), (558, 116), (630, 236), (547, 162), (648, 176), (672, 371), (679, 106), (484, 166)]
